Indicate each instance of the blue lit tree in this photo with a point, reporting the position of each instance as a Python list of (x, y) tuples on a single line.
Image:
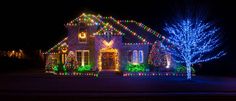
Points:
[(191, 41)]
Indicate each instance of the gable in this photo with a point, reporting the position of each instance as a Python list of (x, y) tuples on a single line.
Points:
[(131, 31), (108, 30)]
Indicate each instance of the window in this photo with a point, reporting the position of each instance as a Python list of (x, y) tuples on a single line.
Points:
[(79, 58), (135, 56), (83, 57), (140, 56), (130, 56), (86, 57)]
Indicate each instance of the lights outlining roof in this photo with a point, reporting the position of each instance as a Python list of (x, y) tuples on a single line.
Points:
[(95, 20), (110, 28)]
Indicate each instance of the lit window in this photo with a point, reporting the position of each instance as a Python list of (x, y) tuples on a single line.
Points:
[(140, 56), (135, 56), (83, 57)]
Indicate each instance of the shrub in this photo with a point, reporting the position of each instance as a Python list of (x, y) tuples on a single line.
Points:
[(85, 68), (182, 69), (135, 67)]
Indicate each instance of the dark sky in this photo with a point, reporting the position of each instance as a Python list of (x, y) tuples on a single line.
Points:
[(39, 24)]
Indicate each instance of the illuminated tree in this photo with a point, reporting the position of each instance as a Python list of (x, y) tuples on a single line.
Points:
[(191, 41), (157, 56), (71, 61)]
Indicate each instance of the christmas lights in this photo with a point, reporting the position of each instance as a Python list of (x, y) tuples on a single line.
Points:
[(85, 68), (135, 68), (61, 42), (106, 29), (82, 35), (144, 27), (126, 28), (157, 56), (70, 62), (130, 74), (192, 41), (108, 50)]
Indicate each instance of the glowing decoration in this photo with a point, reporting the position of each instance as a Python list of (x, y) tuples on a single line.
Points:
[(19, 54), (125, 27), (51, 62), (64, 48), (57, 45), (140, 56), (82, 35), (126, 74), (108, 44), (85, 68), (55, 68), (135, 57), (97, 20), (135, 68), (71, 62), (158, 57), (116, 58), (108, 30), (182, 69), (168, 61), (144, 27), (64, 68), (145, 43), (192, 41)]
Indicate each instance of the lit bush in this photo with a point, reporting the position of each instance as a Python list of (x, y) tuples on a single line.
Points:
[(135, 67), (85, 68), (182, 69), (55, 68)]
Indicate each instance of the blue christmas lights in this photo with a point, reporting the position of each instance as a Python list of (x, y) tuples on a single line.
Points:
[(190, 41)]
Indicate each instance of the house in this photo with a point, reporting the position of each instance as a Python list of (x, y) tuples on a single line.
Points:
[(102, 44)]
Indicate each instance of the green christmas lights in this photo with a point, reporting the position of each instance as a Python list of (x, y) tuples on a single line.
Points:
[(85, 68), (182, 69), (135, 68), (55, 68)]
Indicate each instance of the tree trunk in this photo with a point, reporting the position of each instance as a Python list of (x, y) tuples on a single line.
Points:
[(189, 74)]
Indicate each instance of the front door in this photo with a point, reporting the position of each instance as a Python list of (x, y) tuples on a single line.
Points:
[(108, 60)]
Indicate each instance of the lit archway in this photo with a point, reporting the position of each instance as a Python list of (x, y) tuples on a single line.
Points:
[(108, 59)]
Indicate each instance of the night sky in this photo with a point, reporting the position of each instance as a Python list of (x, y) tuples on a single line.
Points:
[(39, 24)]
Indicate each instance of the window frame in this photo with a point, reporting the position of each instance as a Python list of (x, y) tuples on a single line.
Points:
[(135, 57), (83, 57), (140, 60)]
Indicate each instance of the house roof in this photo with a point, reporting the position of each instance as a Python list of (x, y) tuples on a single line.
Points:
[(131, 31)]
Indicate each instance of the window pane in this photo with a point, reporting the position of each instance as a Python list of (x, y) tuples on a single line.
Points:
[(135, 56), (130, 56), (86, 58), (140, 56), (79, 58)]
